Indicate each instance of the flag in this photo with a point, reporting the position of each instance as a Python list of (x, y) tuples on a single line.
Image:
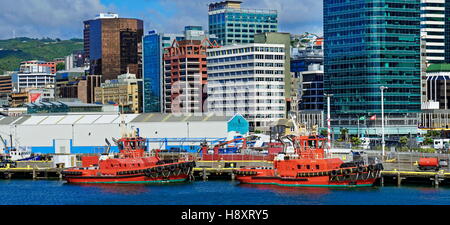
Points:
[(362, 118), (374, 117)]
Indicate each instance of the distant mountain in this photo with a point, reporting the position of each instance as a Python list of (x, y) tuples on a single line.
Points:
[(14, 51)]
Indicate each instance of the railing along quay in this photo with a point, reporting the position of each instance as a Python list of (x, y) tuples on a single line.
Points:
[(399, 168), (402, 168), (31, 172)]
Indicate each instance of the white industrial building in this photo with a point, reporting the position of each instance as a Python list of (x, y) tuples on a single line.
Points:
[(86, 132), (247, 79)]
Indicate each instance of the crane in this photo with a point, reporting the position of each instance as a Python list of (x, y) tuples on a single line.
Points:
[(216, 147)]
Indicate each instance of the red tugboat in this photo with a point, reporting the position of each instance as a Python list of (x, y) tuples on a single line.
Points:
[(307, 166), (129, 166)]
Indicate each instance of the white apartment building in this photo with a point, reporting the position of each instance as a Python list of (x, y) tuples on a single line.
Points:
[(33, 74), (247, 79), (433, 30), (33, 80)]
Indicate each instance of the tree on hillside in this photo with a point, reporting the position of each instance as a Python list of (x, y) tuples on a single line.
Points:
[(60, 66)]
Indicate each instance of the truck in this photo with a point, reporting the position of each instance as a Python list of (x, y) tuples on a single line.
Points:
[(432, 164)]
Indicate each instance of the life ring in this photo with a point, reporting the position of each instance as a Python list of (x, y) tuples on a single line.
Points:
[(360, 169), (379, 166), (371, 167), (154, 175), (167, 175), (172, 168), (159, 169), (347, 172), (334, 173)]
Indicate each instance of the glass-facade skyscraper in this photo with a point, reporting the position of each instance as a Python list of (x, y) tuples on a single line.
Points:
[(113, 45), (154, 45), (369, 44), (232, 24)]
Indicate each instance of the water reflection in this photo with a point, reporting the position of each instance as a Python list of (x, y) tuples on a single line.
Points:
[(285, 190), (128, 189), (124, 189), (308, 191)]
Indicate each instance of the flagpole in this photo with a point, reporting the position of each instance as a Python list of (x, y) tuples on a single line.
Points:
[(383, 143), (328, 120), (358, 126)]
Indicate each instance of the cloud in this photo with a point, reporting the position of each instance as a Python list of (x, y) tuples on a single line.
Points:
[(295, 16), (64, 18), (46, 18)]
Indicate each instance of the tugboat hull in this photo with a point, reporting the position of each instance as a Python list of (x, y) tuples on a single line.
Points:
[(167, 173), (306, 182), (139, 179), (342, 177)]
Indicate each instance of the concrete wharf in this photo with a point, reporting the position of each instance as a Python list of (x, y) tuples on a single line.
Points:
[(399, 169)]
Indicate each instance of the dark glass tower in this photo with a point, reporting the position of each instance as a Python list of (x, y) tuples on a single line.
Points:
[(369, 44), (113, 45)]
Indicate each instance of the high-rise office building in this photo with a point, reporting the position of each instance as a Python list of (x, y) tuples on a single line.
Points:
[(186, 76), (153, 71), (248, 79), (74, 60), (113, 45), (433, 30), (378, 46), (307, 69), (233, 24), (285, 39), (447, 31)]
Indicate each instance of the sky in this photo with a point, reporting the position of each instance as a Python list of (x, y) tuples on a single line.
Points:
[(64, 18)]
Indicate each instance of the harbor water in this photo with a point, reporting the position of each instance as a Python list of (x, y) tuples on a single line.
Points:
[(54, 192)]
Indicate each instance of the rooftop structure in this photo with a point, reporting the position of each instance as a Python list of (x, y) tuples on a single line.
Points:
[(233, 24)]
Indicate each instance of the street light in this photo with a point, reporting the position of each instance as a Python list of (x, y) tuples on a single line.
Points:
[(329, 119), (383, 143)]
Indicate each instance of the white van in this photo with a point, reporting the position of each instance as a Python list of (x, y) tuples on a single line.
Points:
[(365, 143), (441, 143)]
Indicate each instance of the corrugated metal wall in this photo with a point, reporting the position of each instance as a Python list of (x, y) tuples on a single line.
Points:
[(88, 138)]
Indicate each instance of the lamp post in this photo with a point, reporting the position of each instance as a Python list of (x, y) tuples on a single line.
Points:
[(383, 143), (328, 119), (357, 120)]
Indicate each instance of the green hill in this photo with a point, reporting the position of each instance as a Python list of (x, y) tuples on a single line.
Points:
[(14, 51)]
